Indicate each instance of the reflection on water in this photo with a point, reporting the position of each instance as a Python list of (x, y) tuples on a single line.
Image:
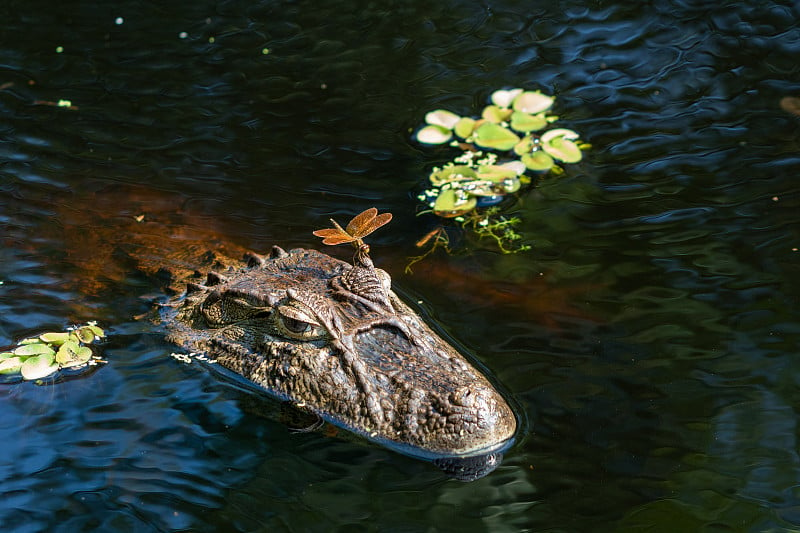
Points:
[(649, 340)]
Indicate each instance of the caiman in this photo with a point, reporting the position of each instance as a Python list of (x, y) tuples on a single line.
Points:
[(333, 339), (329, 337)]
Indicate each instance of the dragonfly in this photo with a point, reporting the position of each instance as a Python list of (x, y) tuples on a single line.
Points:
[(359, 227)]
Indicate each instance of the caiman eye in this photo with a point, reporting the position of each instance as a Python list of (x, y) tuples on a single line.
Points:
[(295, 324), (222, 309)]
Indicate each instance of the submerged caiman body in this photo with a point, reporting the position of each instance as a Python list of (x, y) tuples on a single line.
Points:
[(334, 339)]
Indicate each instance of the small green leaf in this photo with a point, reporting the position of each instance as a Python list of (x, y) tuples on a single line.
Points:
[(532, 102), (489, 135), (538, 161), (450, 203), (511, 185), (503, 98), (84, 335), (558, 143), (54, 338), (79, 357), (67, 352), (524, 146), (525, 122), (10, 365), (442, 118), (451, 173), (495, 173), (517, 166), (464, 127), (83, 354), (98, 332), (563, 150), (30, 340), (497, 187), (495, 114), (434, 135), (38, 366), (27, 350), (482, 188), (559, 132)]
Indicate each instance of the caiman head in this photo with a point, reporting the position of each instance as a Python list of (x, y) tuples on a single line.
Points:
[(334, 339)]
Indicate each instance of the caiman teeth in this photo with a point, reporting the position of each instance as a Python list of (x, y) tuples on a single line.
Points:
[(277, 252), (194, 287), (254, 260), (214, 278)]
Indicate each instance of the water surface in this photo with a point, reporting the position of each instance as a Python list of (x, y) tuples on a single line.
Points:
[(649, 339)]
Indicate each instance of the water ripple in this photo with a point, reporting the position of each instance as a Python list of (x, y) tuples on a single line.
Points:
[(656, 376)]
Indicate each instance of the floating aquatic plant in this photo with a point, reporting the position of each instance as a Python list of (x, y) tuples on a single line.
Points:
[(38, 357), (512, 138), (486, 223)]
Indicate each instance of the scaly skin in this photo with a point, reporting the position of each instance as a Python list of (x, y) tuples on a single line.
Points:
[(335, 340)]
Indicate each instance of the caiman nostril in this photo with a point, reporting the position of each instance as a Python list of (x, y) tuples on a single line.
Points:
[(463, 396)]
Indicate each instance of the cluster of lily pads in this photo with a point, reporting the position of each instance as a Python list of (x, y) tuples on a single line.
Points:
[(510, 138), (41, 356)]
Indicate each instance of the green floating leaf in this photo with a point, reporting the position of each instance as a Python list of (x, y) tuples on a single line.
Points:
[(559, 132), (67, 351), (84, 335), (503, 98), (533, 102), (83, 354), (495, 114), (525, 122), (10, 365), (511, 185), (489, 135), (538, 161), (434, 135), (38, 366), (495, 173), (563, 150), (27, 350), (74, 358), (524, 146), (559, 144), (487, 187), (98, 332), (443, 118), (451, 173), (464, 127), (482, 188), (30, 340), (450, 204), (54, 338), (517, 166)]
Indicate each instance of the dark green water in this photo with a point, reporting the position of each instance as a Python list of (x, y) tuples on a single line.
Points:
[(649, 340)]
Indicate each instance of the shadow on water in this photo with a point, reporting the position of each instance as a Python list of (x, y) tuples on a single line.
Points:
[(649, 339)]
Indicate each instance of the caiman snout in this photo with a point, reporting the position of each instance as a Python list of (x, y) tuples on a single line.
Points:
[(484, 419), (472, 396)]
